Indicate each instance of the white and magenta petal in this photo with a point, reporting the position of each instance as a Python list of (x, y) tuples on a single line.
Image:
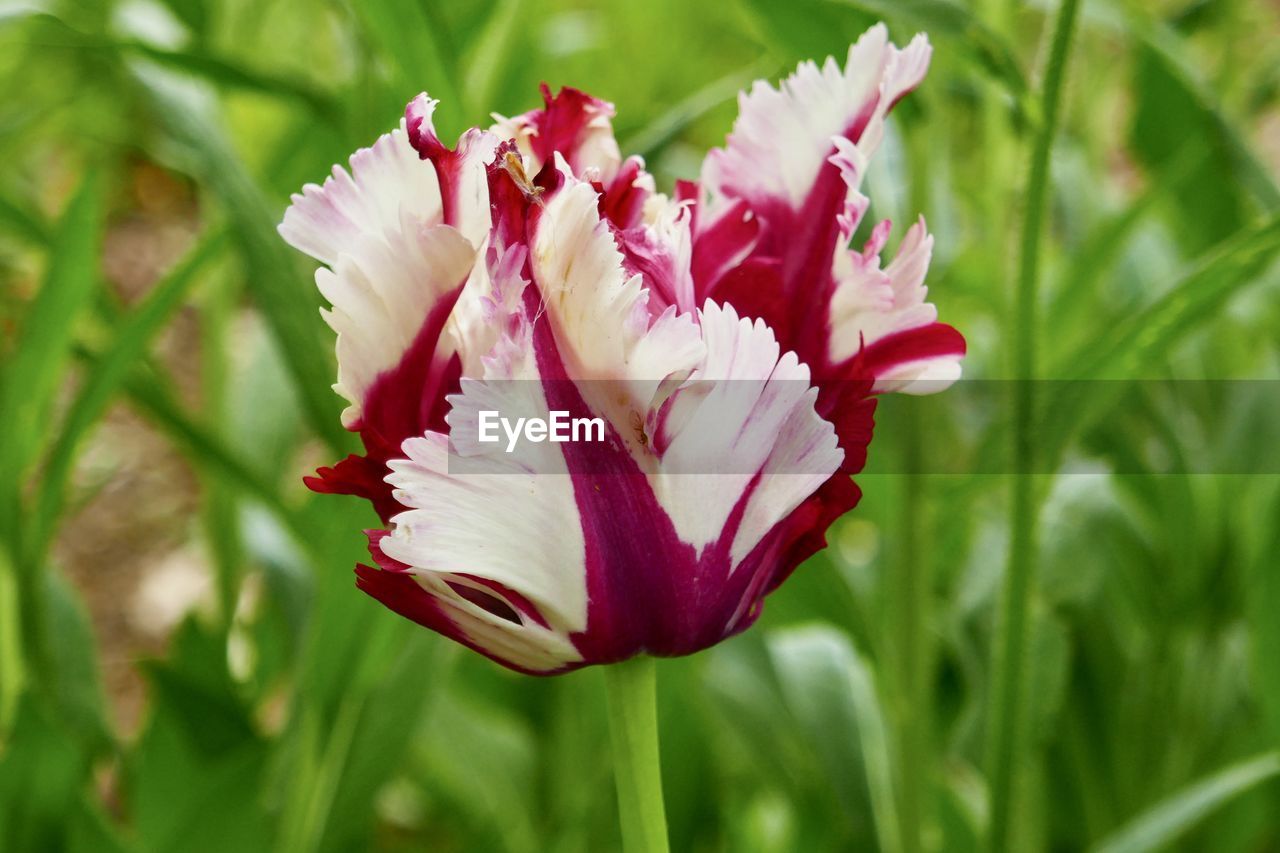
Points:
[(501, 526), (783, 136), (885, 312), (599, 314), (386, 184), (382, 292), (574, 125), (461, 172), (779, 203), (741, 435)]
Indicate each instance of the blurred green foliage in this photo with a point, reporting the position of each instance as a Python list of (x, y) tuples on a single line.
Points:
[(297, 715)]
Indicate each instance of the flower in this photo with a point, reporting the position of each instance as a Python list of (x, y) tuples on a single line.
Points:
[(727, 336)]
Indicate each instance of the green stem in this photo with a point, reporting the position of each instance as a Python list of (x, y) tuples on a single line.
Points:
[(633, 728), (1007, 724)]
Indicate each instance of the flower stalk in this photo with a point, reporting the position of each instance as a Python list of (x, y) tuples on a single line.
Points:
[(1007, 722), (633, 729)]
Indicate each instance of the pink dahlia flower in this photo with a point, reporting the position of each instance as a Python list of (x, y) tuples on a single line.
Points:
[(727, 341)]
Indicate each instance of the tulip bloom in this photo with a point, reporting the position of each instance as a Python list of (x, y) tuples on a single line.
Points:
[(727, 339)]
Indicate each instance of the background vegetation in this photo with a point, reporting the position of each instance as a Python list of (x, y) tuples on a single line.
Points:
[(186, 665)]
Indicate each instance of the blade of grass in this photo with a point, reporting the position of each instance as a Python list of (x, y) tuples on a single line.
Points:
[(100, 385), (236, 75), (149, 394), (23, 223), (1007, 724), (289, 305), (493, 50), (662, 130), (36, 367), (1134, 345), (873, 733), (1165, 822), (1215, 277), (13, 670), (220, 512), (908, 608), (28, 383), (1100, 251)]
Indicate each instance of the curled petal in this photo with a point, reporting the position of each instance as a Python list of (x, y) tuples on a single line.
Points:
[(598, 313), (525, 546), (744, 423), (483, 616), (885, 311), (660, 251), (783, 137), (572, 124), (384, 295), (387, 184), (461, 171), (778, 204)]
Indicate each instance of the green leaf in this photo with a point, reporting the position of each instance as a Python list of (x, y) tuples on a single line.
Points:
[(381, 739), (196, 776), (1263, 597), (479, 757), (1186, 102), (24, 223), (1165, 822), (783, 694), (1130, 348), (194, 691), (75, 676), (829, 688), (1169, 123), (41, 775)]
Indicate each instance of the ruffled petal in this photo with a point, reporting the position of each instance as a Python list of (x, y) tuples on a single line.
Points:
[(499, 521), (884, 310), (744, 423), (572, 124), (383, 294), (387, 184), (483, 616), (778, 204), (461, 172)]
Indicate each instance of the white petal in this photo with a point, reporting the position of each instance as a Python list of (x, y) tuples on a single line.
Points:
[(499, 521), (382, 291), (869, 302), (526, 645), (387, 181), (782, 136), (745, 412), (600, 316)]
